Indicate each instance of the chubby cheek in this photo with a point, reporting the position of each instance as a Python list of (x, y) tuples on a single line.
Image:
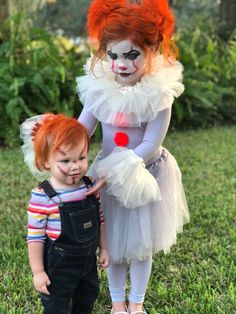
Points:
[(132, 66), (135, 66), (112, 64), (139, 64), (63, 171)]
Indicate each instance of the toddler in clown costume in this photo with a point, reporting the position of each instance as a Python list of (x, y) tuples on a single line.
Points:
[(129, 86)]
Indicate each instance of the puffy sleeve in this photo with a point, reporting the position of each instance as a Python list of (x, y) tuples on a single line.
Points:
[(127, 178)]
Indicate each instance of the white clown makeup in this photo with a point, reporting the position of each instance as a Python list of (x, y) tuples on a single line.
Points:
[(127, 61)]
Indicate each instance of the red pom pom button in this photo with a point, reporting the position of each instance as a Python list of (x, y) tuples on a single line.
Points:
[(121, 139)]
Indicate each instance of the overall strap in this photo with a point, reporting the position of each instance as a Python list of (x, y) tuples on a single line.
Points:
[(50, 192), (48, 189), (87, 181)]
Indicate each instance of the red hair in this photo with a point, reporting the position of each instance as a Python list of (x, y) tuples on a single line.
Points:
[(148, 23), (55, 131)]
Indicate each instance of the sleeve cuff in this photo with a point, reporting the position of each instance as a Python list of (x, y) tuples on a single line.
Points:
[(128, 179)]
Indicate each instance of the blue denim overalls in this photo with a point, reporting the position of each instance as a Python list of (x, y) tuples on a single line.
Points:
[(70, 260)]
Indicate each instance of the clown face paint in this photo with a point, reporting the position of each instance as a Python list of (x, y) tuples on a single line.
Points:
[(127, 61), (67, 167)]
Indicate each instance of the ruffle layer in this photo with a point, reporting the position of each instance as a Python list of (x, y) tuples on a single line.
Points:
[(136, 234), (127, 178), (105, 98), (27, 148)]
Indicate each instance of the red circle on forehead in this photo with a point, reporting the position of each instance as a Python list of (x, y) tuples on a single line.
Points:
[(121, 139)]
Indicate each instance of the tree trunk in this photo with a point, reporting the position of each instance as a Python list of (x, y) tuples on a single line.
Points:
[(175, 3), (3, 10), (227, 18)]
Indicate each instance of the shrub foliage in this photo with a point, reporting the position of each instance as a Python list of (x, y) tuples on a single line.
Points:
[(37, 75), (209, 78)]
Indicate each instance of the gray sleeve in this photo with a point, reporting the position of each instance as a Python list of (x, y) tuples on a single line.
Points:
[(88, 120), (154, 135)]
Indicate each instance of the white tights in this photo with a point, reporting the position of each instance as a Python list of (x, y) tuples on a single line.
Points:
[(139, 277)]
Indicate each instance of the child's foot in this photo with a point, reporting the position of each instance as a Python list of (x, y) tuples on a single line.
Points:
[(119, 308), (136, 308), (138, 312)]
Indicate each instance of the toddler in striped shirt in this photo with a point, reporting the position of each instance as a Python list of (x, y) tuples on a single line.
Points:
[(65, 224)]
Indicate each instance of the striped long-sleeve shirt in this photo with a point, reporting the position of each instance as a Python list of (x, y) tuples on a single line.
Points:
[(43, 213)]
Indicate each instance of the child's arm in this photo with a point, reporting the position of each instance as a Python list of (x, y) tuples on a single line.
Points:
[(104, 259), (41, 280), (88, 120), (37, 221), (154, 135)]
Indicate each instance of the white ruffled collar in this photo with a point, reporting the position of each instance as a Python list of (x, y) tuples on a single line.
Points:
[(112, 103)]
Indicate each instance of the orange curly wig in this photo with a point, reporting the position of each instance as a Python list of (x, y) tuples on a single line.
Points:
[(55, 131), (148, 23)]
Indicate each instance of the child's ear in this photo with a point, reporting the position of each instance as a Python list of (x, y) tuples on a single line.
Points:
[(46, 164)]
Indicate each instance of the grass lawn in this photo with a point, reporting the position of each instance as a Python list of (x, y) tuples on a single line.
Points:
[(199, 276)]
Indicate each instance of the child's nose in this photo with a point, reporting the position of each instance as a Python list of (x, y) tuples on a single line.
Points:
[(122, 67), (75, 165)]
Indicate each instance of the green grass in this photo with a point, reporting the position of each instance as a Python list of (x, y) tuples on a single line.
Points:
[(198, 276)]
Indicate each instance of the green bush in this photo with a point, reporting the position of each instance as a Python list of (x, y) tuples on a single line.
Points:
[(209, 79), (37, 75)]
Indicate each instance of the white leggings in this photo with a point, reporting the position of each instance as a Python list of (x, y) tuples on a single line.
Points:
[(139, 277)]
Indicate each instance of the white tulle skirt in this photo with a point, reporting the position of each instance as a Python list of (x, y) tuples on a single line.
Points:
[(137, 233)]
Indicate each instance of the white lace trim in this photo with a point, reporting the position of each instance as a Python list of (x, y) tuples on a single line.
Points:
[(105, 98)]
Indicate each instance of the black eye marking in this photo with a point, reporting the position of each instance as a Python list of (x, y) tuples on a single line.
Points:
[(112, 55), (132, 54)]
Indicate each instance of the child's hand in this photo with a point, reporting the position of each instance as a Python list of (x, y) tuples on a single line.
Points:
[(99, 184), (41, 281), (104, 259)]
